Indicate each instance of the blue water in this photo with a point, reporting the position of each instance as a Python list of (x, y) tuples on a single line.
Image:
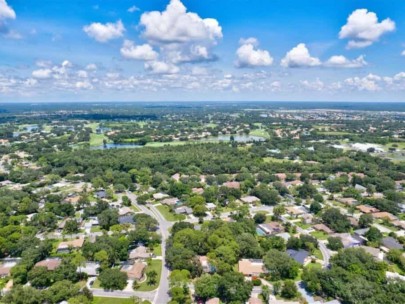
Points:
[(260, 232)]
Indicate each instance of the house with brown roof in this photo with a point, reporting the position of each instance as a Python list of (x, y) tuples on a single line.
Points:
[(134, 271), (170, 201), (251, 267), (232, 185), (250, 199), (67, 246), (213, 301), (205, 264), (140, 252), (323, 227), (50, 264), (384, 215), (348, 201), (367, 209), (271, 228)]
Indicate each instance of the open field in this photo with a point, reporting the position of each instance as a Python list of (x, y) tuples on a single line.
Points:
[(102, 300)]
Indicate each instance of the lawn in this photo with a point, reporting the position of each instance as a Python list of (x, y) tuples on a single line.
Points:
[(96, 139), (96, 284), (157, 250), (135, 208), (314, 266), (260, 132), (275, 160), (168, 215), (320, 235), (102, 300), (155, 265), (95, 229), (93, 126), (333, 133)]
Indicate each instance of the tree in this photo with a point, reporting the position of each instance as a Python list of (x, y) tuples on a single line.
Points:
[(152, 276), (335, 243), (278, 211), (40, 277), (23, 295), (315, 207), (365, 220), (108, 218), (248, 246), (335, 220), (266, 293), (374, 235), (289, 289), (71, 226), (280, 265), (259, 218), (113, 279), (233, 288), (206, 286)]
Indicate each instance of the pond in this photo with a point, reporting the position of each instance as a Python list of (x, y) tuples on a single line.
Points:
[(115, 146), (238, 138)]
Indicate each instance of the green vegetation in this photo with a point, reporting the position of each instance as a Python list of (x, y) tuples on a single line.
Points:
[(168, 215), (156, 266)]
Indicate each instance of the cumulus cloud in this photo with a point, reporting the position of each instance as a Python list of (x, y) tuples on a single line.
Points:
[(6, 12), (176, 25), (342, 62), (367, 83), (403, 53), (105, 32), (42, 74), (299, 56), (160, 67), (133, 9), (249, 56), (316, 85), (138, 52), (363, 28)]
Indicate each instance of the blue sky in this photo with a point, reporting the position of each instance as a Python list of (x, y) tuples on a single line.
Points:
[(346, 50)]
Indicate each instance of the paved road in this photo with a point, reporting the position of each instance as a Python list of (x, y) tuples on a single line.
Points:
[(162, 294)]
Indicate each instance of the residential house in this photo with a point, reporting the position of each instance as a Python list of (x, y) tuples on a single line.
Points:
[(251, 267), (254, 300), (389, 243), (360, 188), (170, 201), (348, 201), (140, 252), (307, 218), (198, 190), (183, 210), (5, 268), (213, 301), (101, 194), (271, 228), (50, 264), (384, 215), (90, 268), (134, 271), (301, 256), (232, 185), (348, 240), (367, 209), (323, 227), (250, 199), (375, 252), (160, 196), (65, 247)]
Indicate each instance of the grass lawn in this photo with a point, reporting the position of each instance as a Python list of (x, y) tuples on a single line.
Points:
[(314, 266), (157, 250), (318, 254), (275, 160), (96, 139), (320, 235), (335, 133), (260, 132), (155, 265), (93, 126), (102, 300), (302, 225), (171, 217), (135, 208), (96, 284), (95, 229)]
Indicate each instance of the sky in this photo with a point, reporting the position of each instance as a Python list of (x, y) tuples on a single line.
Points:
[(202, 50)]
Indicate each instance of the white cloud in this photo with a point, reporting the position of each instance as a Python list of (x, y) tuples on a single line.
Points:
[(82, 74), (6, 12), (367, 83), (91, 67), (133, 9), (403, 53), (105, 32), (299, 56), (138, 52), (42, 74), (342, 62), (249, 56), (84, 85), (176, 25), (160, 67), (316, 85), (363, 28)]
